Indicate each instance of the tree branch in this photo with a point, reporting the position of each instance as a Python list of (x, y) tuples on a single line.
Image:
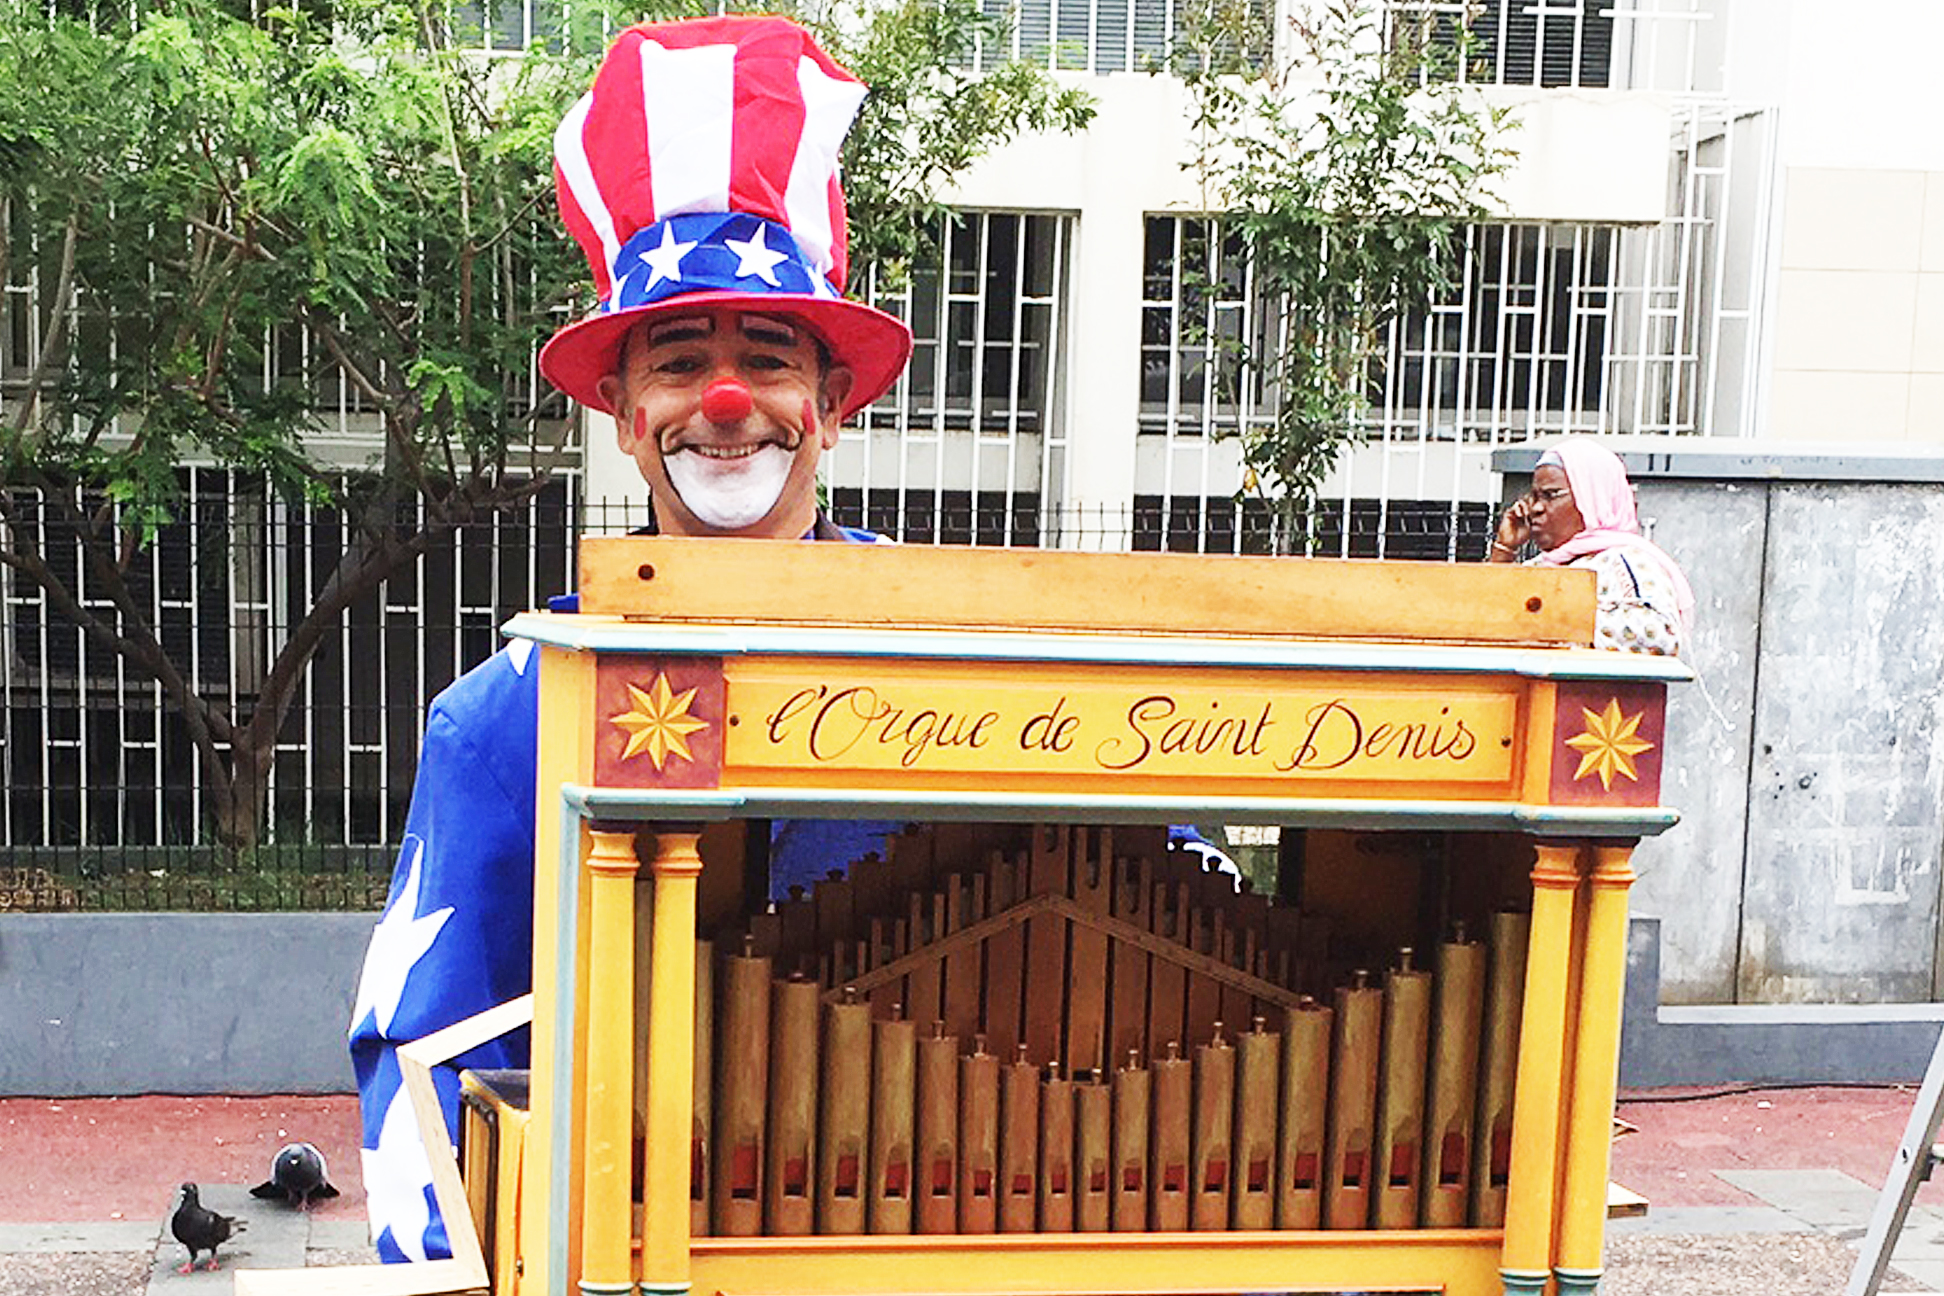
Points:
[(56, 332)]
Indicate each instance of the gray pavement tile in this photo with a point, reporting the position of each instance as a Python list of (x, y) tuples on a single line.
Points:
[(1928, 1272), (108, 1235), (1825, 1199), (339, 1235), (1708, 1220), (1922, 1237)]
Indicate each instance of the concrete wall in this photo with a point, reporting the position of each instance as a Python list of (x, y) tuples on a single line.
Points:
[(1807, 760), (177, 1003), (102, 1004), (1789, 1044)]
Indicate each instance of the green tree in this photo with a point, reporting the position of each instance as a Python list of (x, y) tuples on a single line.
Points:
[(1347, 168), (203, 185)]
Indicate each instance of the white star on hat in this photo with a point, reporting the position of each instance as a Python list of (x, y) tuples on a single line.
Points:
[(666, 260), (753, 257)]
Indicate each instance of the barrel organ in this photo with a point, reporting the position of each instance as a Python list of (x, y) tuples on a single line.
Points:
[(1057, 1028)]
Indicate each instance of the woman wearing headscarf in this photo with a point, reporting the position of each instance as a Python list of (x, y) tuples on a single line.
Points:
[(1580, 513)]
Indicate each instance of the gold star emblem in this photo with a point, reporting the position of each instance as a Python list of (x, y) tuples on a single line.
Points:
[(660, 722), (1608, 744)]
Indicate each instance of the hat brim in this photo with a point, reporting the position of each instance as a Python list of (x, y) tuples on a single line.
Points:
[(873, 345)]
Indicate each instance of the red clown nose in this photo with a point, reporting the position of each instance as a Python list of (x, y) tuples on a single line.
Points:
[(726, 400)]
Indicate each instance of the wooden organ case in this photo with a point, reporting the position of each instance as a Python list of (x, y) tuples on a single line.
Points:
[(1030, 1045)]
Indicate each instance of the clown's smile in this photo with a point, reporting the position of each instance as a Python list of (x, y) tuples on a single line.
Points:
[(730, 487)]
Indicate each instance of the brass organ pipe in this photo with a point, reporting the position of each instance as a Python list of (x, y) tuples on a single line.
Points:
[(1093, 1156), (1128, 1177), (893, 1063), (1169, 1140), (1498, 1066), (1258, 1064), (1354, 1059), (936, 1164), (1056, 1154), (1212, 1132), (978, 1193), (742, 1094), (1453, 1103), (844, 1118), (789, 1184), (1301, 1137), (1400, 1096), (1019, 1093)]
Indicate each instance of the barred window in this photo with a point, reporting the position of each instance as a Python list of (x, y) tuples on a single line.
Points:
[(968, 446)]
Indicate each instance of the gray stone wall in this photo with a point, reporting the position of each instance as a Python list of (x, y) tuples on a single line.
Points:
[(99, 1004), (1807, 758)]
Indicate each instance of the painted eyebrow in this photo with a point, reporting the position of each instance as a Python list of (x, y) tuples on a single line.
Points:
[(770, 332), (689, 328)]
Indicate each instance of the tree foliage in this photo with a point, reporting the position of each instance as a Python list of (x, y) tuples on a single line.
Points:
[(1348, 166), (230, 210)]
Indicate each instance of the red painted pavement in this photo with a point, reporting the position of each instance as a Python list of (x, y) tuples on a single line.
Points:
[(1672, 1159), (94, 1159), (67, 1160)]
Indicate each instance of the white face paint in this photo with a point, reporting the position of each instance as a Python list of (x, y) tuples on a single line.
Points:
[(730, 494)]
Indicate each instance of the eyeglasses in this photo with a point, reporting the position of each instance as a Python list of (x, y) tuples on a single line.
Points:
[(1550, 495)]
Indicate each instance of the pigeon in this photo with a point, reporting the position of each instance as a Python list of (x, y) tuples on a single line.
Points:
[(297, 1175), (199, 1229)]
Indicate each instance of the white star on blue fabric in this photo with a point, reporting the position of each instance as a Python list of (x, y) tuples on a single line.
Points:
[(753, 257), (398, 942), (396, 1174), (666, 260)]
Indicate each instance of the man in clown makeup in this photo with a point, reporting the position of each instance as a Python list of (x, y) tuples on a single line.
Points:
[(699, 175)]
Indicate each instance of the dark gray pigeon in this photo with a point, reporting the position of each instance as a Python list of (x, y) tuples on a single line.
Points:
[(297, 1175), (200, 1230)]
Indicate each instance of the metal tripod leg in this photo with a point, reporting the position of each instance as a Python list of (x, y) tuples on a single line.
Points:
[(1910, 1167)]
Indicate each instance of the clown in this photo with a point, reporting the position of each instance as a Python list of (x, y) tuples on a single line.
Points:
[(699, 175)]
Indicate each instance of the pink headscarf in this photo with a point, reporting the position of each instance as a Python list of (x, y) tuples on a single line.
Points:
[(1605, 500)]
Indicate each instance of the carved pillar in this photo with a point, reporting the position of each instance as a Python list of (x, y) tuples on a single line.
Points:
[(671, 1066), (1532, 1179), (606, 1219), (1596, 1063)]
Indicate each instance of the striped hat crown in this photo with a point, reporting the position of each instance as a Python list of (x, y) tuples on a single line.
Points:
[(704, 162)]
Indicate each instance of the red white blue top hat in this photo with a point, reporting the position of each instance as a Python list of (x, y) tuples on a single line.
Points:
[(702, 167)]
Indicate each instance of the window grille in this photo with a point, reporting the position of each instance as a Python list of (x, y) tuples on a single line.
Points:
[(1085, 35), (976, 412), (1550, 330), (1649, 44), (94, 753)]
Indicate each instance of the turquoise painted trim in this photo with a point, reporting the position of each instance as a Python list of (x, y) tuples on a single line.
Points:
[(560, 1123), (666, 1289), (1521, 1282), (588, 634), (844, 803), (606, 1289), (1577, 1282)]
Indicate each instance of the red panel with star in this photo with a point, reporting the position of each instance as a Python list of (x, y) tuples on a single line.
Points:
[(1607, 743), (658, 722)]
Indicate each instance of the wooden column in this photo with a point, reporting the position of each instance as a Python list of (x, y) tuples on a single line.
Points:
[(606, 1220), (671, 1074), (1596, 1064), (549, 1228), (1525, 1265)]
